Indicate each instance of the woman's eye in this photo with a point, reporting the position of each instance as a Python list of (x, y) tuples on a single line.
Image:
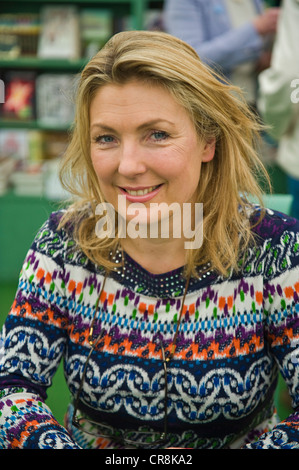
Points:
[(159, 135), (105, 139)]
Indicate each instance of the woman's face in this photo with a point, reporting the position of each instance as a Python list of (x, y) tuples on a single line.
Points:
[(144, 147)]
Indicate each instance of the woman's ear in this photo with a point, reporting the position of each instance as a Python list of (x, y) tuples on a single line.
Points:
[(209, 150)]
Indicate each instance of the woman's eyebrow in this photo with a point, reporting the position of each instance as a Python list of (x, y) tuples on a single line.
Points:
[(146, 124)]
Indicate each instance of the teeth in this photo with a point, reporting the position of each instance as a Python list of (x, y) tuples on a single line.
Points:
[(141, 192)]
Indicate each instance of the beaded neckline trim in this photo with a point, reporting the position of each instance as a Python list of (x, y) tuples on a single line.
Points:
[(170, 284)]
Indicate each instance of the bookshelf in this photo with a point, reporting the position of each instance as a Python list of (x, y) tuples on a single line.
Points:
[(22, 211), (29, 13), (22, 63)]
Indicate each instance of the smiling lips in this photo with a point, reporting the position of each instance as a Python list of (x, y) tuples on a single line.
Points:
[(140, 194)]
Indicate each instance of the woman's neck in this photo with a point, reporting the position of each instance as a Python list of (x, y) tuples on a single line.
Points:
[(157, 256)]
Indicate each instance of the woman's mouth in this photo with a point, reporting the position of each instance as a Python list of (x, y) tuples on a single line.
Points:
[(141, 194)]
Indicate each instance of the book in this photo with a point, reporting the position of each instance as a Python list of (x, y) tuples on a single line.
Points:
[(28, 182), (14, 144), (25, 147), (60, 33), (9, 46), (7, 165), (18, 34), (53, 189), (14, 158), (19, 103), (54, 99), (55, 144), (96, 26)]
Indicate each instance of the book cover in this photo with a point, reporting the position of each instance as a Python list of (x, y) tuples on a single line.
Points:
[(54, 99), (60, 33), (14, 144), (18, 34), (19, 103), (96, 27)]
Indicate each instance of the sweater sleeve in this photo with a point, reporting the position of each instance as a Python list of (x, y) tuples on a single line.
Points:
[(32, 343), (281, 303)]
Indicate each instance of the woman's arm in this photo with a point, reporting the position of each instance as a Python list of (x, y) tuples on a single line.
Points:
[(207, 29), (281, 309), (32, 343)]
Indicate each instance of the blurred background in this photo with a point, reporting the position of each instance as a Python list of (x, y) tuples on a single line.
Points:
[(43, 46)]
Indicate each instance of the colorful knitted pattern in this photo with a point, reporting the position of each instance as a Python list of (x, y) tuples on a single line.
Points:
[(234, 335)]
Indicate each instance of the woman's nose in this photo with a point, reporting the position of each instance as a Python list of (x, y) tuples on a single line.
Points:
[(131, 161)]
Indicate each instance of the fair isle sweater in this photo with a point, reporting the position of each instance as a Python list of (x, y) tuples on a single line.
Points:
[(236, 333)]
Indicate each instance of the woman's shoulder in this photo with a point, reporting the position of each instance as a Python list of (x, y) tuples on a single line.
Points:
[(57, 241), (50, 240), (273, 224), (62, 223), (50, 229), (277, 244)]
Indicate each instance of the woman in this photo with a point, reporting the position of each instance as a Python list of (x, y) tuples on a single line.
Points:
[(166, 342)]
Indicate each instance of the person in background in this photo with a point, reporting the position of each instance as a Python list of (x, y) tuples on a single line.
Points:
[(169, 337), (278, 100), (234, 36)]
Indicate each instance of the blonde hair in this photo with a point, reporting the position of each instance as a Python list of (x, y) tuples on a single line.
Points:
[(217, 110)]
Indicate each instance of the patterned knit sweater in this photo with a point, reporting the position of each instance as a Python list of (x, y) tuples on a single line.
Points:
[(234, 335)]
